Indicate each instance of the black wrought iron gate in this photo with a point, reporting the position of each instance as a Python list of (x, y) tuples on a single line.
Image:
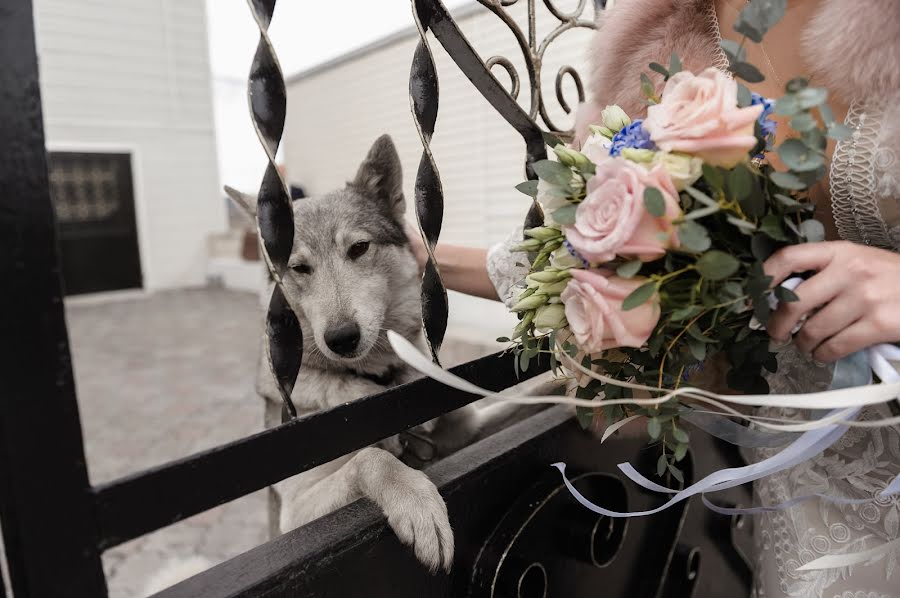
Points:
[(517, 533)]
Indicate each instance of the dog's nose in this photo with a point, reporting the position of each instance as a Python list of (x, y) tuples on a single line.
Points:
[(343, 338)]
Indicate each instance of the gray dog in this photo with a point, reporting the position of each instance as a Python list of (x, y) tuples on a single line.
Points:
[(352, 278)]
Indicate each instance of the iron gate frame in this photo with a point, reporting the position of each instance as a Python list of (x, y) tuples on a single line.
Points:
[(56, 524)]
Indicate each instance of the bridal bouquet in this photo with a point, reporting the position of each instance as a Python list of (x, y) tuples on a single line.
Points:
[(649, 262)]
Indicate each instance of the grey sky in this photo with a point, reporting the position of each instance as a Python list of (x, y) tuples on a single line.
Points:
[(304, 33)]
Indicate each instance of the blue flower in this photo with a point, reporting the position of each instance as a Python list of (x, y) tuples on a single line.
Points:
[(631, 136), (766, 124)]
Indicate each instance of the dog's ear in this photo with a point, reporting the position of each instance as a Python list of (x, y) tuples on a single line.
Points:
[(245, 201), (381, 177)]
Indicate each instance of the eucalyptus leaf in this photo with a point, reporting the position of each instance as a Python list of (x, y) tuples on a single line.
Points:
[(762, 246), (693, 236), (740, 182), (733, 50), (827, 114), (697, 349), (787, 106), (787, 180), (550, 139), (771, 225), (713, 176), (744, 97), (629, 269), (553, 172), (803, 122), (585, 416), (717, 265), (661, 463), (639, 296), (654, 202), (685, 312), (747, 72), (565, 215), (694, 332), (676, 473), (796, 84), (529, 188), (655, 66), (810, 97), (680, 435), (680, 451), (654, 427), (758, 16), (839, 131), (786, 295), (798, 156), (675, 65)]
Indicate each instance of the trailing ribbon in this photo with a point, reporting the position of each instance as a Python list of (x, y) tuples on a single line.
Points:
[(844, 400)]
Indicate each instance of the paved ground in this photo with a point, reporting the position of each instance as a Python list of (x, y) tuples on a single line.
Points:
[(160, 377)]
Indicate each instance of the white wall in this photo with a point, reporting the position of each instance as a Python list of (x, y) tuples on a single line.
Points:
[(336, 113), (134, 75)]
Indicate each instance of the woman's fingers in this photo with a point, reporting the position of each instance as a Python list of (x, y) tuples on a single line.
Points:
[(856, 337), (812, 294), (797, 259), (831, 320)]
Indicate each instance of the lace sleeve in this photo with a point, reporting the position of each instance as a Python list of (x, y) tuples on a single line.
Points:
[(503, 266)]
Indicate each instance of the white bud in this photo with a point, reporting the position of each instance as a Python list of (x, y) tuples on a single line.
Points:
[(550, 317), (614, 118)]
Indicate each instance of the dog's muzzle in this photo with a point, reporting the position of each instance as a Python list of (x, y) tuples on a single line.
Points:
[(343, 339)]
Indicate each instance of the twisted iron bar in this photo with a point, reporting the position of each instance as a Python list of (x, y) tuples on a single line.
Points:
[(429, 194), (274, 215)]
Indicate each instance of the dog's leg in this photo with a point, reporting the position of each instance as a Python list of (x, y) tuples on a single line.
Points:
[(411, 502)]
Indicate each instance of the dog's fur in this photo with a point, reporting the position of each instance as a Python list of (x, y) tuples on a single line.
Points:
[(853, 48), (378, 290)]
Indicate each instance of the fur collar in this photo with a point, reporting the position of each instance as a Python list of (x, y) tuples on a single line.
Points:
[(852, 46)]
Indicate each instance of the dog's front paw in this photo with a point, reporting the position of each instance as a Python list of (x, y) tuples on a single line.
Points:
[(418, 515)]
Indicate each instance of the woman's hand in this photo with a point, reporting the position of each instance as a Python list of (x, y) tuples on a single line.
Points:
[(852, 302)]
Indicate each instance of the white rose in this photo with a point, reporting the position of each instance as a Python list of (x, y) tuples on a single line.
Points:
[(684, 170)]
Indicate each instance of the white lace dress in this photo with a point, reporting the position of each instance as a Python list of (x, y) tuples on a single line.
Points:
[(865, 188), (865, 182)]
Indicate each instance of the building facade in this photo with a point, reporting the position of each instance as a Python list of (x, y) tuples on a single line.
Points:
[(128, 116)]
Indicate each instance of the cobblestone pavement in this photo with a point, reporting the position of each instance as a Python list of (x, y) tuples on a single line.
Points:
[(160, 377), (163, 376)]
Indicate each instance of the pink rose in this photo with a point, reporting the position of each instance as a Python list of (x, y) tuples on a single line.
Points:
[(699, 115), (612, 220), (593, 300)]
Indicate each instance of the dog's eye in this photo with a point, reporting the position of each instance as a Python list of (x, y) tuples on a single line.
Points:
[(358, 249), (302, 268)]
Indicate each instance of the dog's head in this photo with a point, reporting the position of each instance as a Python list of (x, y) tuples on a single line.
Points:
[(351, 274)]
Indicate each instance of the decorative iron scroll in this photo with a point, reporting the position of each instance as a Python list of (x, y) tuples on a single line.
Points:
[(274, 216), (533, 52)]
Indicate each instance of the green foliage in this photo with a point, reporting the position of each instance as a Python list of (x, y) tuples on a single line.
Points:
[(717, 265), (654, 202), (629, 269), (639, 296)]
